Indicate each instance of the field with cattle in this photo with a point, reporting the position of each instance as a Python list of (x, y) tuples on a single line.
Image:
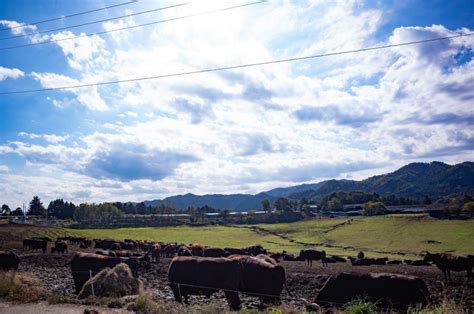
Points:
[(402, 239)]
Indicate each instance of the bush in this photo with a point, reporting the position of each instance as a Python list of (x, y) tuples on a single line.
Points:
[(360, 306)]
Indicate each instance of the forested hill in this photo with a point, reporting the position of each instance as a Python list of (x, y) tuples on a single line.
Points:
[(414, 180)]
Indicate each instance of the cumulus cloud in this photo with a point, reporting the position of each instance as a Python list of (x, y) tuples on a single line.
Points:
[(10, 73), (51, 138), (4, 169), (246, 130), (86, 96)]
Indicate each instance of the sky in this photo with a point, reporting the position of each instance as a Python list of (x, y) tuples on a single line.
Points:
[(243, 130)]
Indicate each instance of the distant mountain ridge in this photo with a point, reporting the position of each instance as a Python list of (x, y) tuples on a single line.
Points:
[(414, 180)]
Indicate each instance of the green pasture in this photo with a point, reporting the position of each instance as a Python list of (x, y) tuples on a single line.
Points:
[(377, 236)]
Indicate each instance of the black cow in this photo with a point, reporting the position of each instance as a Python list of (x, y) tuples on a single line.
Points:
[(313, 255), (35, 245), (9, 261), (388, 290)]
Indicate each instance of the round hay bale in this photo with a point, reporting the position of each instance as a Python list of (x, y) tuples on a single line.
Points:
[(116, 282)]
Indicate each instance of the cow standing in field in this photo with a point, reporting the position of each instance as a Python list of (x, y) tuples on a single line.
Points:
[(83, 265), (35, 245), (215, 252), (60, 247), (155, 253), (261, 278), (313, 255), (190, 275), (450, 262), (388, 290)]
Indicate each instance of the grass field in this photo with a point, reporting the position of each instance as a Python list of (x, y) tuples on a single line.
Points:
[(383, 235)]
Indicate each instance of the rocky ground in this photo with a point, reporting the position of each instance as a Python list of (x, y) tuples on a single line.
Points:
[(302, 281)]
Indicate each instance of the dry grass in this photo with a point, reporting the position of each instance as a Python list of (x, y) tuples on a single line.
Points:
[(26, 288)]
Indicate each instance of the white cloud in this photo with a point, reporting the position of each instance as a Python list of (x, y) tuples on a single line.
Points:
[(17, 28), (4, 169), (87, 96), (51, 138), (10, 73), (252, 129)]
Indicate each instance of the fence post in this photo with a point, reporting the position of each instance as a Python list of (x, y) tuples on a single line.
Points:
[(92, 284)]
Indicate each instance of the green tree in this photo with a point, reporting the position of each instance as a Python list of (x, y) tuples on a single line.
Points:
[(6, 211), (36, 207), (283, 204), (468, 208), (17, 212), (61, 210), (374, 208), (303, 204), (266, 205)]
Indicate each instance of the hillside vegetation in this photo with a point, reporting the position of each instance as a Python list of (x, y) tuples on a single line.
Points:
[(403, 235), (415, 180)]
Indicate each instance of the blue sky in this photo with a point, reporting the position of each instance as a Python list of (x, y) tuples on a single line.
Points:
[(238, 131)]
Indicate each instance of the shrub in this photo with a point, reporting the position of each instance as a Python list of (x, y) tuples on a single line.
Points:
[(360, 306)]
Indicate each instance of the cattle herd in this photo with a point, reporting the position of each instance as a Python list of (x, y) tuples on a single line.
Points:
[(196, 269)]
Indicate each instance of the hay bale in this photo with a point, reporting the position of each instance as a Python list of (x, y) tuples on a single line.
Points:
[(115, 283)]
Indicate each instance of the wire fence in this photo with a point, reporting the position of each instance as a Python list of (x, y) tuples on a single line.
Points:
[(377, 303)]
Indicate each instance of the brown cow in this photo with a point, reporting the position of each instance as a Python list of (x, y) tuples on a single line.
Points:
[(155, 253), (388, 290), (267, 259), (313, 255), (450, 262), (261, 279), (85, 265), (190, 275), (197, 249)]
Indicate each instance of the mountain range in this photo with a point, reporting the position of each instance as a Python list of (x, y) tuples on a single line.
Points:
[(414, 180)]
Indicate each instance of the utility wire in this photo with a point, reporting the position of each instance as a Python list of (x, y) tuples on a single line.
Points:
[(135, 26), (237, 66), (68, 16), (94, 22)]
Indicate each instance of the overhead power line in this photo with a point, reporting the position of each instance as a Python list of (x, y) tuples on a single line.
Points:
[(236, 66), (68, 16), (135, 26), (94, 22)]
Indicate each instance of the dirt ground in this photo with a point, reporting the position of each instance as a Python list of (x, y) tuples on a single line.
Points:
[(303, 281)]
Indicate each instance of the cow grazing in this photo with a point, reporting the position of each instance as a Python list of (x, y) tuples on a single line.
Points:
[(103, 244), (84, 265), (313, 255), (215, 252), (339, 259), (184, 251), (35, 245), (43, 239), (388, 290), (254, 250), (261, 279), (197, 249), (60, 247), (9, 261), (155, 251), (190, 275), (116, 247), (420, 262), (449, 262), (231, 251)]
